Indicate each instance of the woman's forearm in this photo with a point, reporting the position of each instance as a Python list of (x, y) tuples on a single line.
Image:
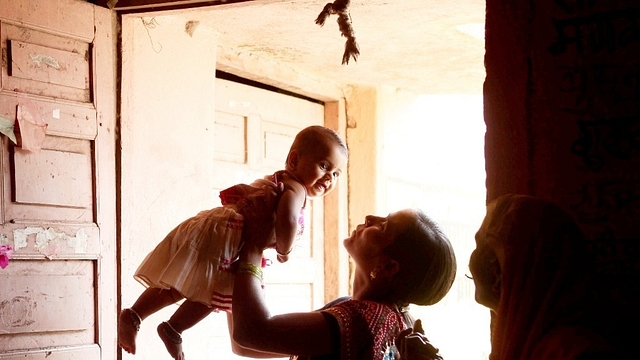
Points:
[(250, 313), (242, 351)]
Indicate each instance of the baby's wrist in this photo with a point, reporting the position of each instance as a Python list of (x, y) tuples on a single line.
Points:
[(283, 252)]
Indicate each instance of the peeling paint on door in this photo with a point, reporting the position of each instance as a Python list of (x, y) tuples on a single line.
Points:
[(44, 59), (48, 241)]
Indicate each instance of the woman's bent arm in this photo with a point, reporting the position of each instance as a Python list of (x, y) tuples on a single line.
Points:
[(253, 326)]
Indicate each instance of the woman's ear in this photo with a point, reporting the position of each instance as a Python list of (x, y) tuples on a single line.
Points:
[(386, 270), (390, 268)]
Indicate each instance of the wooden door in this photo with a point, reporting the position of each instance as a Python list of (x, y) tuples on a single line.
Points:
[(58, 292), (254, 129)]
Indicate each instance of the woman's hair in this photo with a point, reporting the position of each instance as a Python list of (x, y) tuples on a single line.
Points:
[(427, 262)]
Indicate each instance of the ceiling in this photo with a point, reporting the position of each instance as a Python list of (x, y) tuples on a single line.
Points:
[(424, 46)]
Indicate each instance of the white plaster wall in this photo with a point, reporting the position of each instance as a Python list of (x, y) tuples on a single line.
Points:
[(167, 142), (433, 159), (425, 151)]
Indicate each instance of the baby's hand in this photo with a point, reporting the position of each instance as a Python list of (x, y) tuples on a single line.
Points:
[(283, 258)]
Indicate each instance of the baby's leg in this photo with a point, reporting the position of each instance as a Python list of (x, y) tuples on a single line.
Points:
[(150, 301), (187, 315)]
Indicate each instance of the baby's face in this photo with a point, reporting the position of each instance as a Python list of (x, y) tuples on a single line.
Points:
[(320, 169)]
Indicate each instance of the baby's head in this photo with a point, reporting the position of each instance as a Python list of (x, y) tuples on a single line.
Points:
[(317, 157)]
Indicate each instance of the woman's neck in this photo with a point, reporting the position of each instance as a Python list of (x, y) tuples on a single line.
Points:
[(360, 287), (365, 289)]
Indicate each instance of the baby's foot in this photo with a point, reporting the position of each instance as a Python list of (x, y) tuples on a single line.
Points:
[(172, 340), (128, 326)]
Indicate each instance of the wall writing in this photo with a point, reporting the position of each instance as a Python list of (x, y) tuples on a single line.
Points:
[(592, 54)]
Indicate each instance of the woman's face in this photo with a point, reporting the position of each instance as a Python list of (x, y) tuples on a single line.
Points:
[(484, 265), (369, 239)]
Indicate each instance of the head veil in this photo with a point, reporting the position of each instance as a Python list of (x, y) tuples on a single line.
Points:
[(544, 272)]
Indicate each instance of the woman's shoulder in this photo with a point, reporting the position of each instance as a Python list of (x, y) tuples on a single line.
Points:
[(348, 308), (573, 342), (336, 302)]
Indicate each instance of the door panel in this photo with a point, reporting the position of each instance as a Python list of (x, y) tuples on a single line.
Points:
[(44, 64), (40, 307), (39, 182), (57, 295)]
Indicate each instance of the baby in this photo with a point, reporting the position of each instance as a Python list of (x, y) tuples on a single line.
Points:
[(195, 261)]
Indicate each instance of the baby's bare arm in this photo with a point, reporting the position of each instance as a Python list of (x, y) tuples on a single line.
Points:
[(287, 214)]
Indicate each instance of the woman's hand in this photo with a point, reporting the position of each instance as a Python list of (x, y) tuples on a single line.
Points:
[(414, 345), (258, 210)]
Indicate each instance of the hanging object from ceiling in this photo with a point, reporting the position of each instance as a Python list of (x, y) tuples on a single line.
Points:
[(341, 8)]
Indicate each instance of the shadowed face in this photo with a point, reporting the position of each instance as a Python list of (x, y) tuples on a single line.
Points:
[(484, 264), (368, 240)]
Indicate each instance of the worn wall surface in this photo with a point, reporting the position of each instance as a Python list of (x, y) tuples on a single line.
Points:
[(167, 145), (562, 110)]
